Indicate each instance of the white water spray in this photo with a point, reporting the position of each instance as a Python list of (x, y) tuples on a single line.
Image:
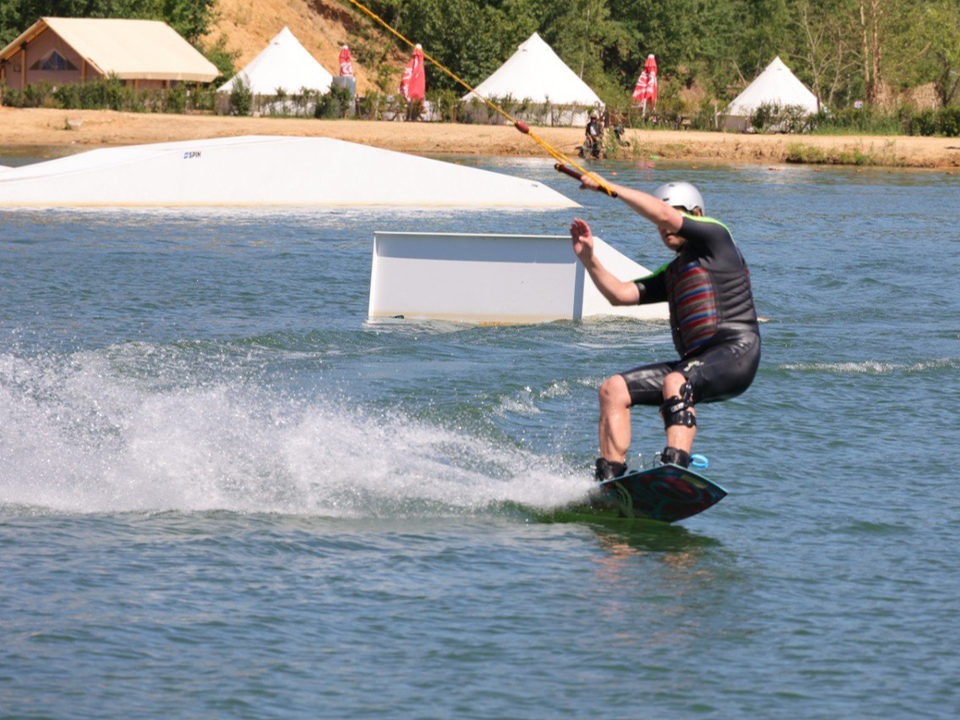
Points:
[(78, 434)]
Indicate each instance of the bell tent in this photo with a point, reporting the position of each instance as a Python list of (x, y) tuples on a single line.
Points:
[(536, 74), (283, 64), (776, 85)]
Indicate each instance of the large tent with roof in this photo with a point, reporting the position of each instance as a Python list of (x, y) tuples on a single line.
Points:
[(775, 86), (535, 75), (142, 53)]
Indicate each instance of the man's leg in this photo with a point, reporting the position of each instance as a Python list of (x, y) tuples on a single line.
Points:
[(679, 419), (614, 419), (640, 386), (679, 436)]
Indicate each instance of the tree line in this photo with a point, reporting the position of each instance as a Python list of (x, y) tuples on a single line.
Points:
[(844, 50), (190, 18)]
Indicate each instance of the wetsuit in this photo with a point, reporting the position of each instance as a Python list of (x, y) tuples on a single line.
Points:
[(712, 317)]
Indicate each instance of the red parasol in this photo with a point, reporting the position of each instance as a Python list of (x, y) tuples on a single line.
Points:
[(346, 66), (413, 85), (646, 89)]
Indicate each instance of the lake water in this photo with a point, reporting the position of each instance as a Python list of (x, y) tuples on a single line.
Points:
[(225, 492)]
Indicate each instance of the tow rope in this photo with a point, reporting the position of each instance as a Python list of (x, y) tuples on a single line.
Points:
[(562, 160)]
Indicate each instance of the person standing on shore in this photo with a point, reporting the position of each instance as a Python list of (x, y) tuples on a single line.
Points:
[(592, 134), (712, 318)]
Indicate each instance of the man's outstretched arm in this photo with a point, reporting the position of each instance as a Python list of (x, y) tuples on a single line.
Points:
[(616, 291), (653, 209)]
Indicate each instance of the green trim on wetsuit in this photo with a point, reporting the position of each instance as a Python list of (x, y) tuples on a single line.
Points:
[(698, 218), (659, 271)]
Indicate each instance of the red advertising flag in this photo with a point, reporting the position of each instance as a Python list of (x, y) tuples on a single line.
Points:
[(413, 84), (646, 89), (346, 66)]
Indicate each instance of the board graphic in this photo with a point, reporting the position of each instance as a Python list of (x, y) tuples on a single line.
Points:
[(663, 492)]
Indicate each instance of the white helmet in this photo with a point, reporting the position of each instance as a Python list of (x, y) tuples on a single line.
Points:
[(680, 194)]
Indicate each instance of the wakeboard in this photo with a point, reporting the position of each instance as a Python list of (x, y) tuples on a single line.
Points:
[(667, 493)]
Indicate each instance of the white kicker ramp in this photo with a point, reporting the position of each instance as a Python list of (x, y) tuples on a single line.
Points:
[(261, 170), (493, 279)]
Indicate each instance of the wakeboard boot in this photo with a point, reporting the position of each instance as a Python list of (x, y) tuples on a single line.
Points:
[(675, 456), (606, 469)]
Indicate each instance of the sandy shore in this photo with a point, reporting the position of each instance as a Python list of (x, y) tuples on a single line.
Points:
[(59, 132)]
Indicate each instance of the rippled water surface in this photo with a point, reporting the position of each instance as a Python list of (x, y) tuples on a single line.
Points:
[(224, 491)]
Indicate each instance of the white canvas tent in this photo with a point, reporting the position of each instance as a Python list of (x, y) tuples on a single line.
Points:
[(537, 74), (776, 85), (284, 63), (144, 53)]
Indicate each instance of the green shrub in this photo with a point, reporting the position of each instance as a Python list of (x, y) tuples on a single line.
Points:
[(176, 100), (772, 117), (864, 121), (371, 106), (336, 103), (448, 105), (38, 95), (223, 58), (68, 96), (945, 121), (950, 121), (925, 123), (241, 98)]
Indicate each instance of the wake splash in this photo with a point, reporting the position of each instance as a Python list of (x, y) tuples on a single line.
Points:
[(79, 435)]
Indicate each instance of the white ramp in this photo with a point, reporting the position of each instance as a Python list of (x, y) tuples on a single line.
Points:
[(493, 279), (257, 170)]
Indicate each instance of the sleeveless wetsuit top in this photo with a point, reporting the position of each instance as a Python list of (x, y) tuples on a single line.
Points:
[(707, 287)]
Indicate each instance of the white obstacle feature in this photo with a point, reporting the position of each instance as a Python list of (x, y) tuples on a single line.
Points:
[(263, 170), (493, 279)]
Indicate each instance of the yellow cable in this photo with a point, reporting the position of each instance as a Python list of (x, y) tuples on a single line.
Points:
[(521, 126)]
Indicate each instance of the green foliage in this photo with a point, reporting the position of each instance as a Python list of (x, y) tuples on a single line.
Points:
[(950, 121), (771, 117), (334, 104), (175, 100), (716, 46), (865, 121), (372, 106), (945, 122), (241, 98), (223, 58), (190, 18), (941, 55), (108, 94), (38, 95), (448, 104)]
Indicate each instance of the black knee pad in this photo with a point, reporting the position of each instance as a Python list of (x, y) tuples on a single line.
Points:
[(676, 410)]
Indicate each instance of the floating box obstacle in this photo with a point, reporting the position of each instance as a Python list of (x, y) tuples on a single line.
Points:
[(263, 170), (493, 279)]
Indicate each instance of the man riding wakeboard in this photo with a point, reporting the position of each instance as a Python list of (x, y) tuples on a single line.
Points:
[(712, 318)]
